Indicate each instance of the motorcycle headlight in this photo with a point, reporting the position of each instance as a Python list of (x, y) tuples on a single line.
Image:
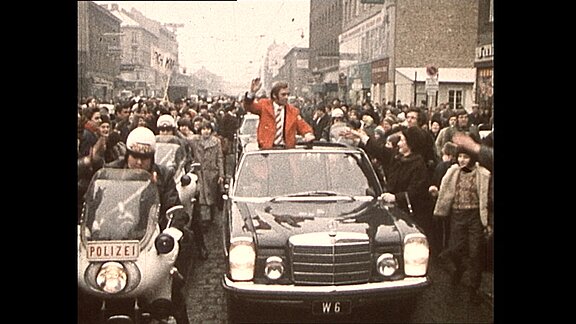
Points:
[(274, 268), (241, 259), (112, 277), (386, 264), (416, 254)]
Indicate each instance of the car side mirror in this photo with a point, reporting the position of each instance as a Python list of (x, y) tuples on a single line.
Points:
[(370, 192)]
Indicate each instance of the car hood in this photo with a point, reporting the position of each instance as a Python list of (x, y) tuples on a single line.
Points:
[(274, 222)]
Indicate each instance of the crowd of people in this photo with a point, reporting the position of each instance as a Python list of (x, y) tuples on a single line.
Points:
[(435, 163)]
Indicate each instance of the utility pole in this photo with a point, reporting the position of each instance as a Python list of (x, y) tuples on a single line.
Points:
[(415, 84)]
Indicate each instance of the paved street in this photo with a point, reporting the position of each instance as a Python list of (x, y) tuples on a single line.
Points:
[(441, 303)]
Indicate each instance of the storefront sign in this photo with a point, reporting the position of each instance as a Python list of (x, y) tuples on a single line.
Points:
[(363, 27), (380, 71)]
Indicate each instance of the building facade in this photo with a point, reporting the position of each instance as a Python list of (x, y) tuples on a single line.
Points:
[(325, 28), (123, 54), (296, 71), (99, 52), (273, 61), (149, 54), (484, 59), (380, 37)]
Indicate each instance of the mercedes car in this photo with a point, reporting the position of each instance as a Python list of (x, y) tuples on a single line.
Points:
[(307, 228)]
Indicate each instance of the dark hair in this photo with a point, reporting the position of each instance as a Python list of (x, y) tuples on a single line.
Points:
[(450, 148), (207, 124), (105, 119), (422, 118), (394, 139), (354, 124), (277, 87), (321, 107), (89, 99), (88, 112), (461, 112), (372, 114), (184, 121)]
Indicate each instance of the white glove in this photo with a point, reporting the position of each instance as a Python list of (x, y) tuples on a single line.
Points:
[(388, 197), (174, 232), (309, 137)]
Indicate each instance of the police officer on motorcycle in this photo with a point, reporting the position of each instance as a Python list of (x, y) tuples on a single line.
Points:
[(140, 149)]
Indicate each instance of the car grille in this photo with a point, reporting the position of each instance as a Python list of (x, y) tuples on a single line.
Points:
[(319, 259)]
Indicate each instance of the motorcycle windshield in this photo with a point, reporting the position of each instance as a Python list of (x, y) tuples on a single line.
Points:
[(168, 154), (120, 204)]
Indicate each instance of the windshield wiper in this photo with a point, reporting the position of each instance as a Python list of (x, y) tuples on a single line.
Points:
[(313, 193)]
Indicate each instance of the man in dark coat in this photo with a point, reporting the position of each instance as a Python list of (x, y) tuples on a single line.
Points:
[(321, 121), (228, 126)]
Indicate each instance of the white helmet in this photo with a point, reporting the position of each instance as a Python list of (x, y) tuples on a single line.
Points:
[(141, 140), (165, 121), (337, 112)]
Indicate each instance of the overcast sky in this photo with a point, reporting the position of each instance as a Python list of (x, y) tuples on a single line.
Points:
[(229, 38)]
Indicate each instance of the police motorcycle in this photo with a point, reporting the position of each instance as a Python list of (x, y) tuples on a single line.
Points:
[(126, 264)]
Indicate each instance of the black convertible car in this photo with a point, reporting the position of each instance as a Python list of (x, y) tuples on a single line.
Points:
[(306, 227)]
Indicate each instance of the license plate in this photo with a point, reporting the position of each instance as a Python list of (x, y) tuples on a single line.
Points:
[(113, 250), (331, 307)]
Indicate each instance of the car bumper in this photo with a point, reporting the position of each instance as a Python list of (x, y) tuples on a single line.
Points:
[(304, 295)]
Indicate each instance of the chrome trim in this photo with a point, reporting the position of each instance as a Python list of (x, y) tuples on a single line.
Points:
[(366, 287)]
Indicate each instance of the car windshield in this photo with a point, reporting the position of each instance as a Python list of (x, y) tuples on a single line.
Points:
[(119, 205), (303, 174)]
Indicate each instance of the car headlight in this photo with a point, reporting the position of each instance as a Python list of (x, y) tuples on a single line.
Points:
[(112, 277), (387, 264), (274, 268), (241, 258), (416, 254)]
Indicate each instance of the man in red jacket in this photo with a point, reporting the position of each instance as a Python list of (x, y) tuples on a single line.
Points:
[(289, 119)]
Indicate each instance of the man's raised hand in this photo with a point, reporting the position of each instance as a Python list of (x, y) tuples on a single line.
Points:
[(256, 85)]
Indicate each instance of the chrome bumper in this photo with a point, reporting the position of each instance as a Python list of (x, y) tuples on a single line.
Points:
[(251, 290)]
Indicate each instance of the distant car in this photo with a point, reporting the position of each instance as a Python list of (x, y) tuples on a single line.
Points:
[(306, 227), (248, 128), (246, 134)]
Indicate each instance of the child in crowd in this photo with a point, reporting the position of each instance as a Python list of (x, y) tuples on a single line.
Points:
[(463, 196), (442, 225)]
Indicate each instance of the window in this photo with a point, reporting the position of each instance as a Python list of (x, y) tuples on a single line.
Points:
[(454, 98)]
